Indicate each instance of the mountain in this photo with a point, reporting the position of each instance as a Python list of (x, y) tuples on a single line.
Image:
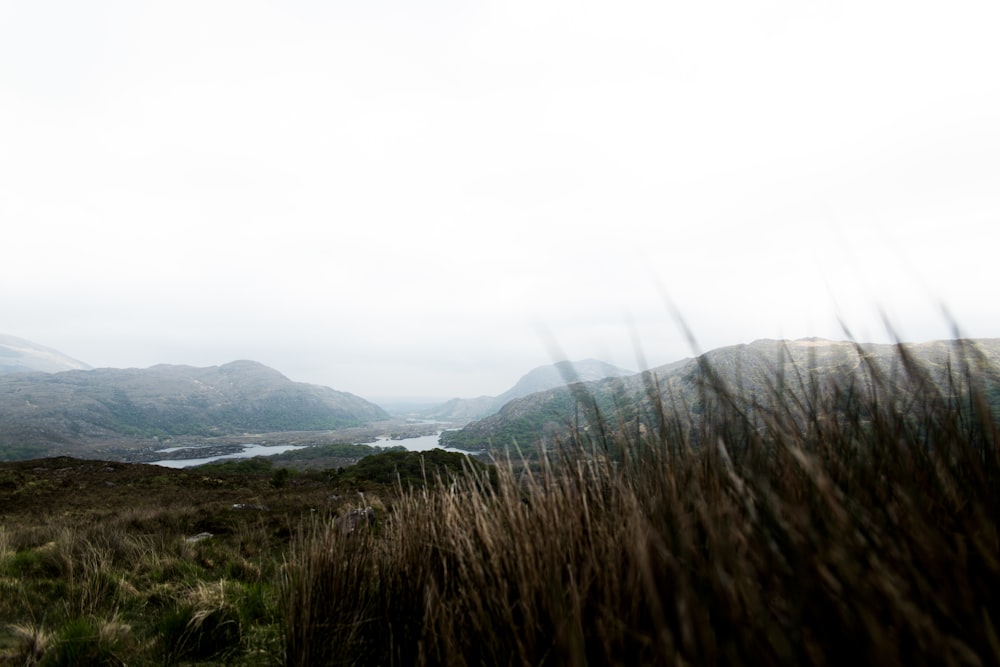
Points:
[(63, 413), (757, 378), (18, 355), (464, 410), (560, 374)]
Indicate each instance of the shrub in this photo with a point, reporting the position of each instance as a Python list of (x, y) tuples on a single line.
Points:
[(84, 641), (205, 626), (32, 643)]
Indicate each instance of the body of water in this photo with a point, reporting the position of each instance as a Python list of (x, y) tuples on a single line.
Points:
[(249, 451), (419, 444), (422, 443)]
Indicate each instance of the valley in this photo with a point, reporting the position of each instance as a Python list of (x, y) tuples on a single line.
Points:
[(773, 500)]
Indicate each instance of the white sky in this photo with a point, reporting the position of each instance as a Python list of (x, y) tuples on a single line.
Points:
[(403, 198)]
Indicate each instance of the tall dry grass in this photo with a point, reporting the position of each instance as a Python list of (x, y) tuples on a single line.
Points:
[(825, 524)]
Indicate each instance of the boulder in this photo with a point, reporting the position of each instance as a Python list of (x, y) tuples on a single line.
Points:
[(355, 518)]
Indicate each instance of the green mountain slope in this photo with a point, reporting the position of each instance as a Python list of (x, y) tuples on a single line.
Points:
[(759, 379), (559, 374), (57, 413)]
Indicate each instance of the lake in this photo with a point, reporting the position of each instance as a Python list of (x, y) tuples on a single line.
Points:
[(419, 444), (249, 451)]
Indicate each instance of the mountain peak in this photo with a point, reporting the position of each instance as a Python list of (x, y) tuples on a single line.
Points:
[(561, 373), (538, 379)]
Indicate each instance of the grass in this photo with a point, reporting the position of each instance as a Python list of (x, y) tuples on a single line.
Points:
[(855, 523), (824, 521), (102, 563), (92, 573)]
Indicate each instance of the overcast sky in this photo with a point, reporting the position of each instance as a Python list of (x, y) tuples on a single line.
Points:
[(427, 197)]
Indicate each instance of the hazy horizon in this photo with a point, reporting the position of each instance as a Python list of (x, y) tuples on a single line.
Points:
[(430, 199)]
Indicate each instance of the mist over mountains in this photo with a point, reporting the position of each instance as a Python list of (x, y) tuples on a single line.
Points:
[(71, 411), (81, 411), (761, 377), (53, 404), (464, 410), (18, 355)]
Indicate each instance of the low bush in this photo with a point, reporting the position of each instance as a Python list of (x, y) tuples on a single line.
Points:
[(83, 641), (204, 626)]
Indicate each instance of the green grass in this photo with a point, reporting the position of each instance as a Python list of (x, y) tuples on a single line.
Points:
[(108, 575)]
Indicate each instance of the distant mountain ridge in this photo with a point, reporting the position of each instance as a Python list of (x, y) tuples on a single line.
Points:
[(753, 373), (22, 356), (63, 413), (559, 374)]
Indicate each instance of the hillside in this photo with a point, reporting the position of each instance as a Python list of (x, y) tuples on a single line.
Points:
[(757, 377), (19, 356), (464, 410), (796, 546), (70, 412)]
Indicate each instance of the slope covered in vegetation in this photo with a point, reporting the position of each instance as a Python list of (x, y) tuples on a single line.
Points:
[(70, 412), (764, 377)]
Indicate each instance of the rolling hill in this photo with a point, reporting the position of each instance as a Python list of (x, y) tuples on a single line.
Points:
[(757, 378), (464, 410), (65, 413)]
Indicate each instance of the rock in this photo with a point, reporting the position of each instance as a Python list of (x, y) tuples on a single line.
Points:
[(249, 506), (350, 521)]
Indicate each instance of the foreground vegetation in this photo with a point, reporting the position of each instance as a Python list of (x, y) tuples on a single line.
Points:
[(111, 564), (858, 525), (829, 522)]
